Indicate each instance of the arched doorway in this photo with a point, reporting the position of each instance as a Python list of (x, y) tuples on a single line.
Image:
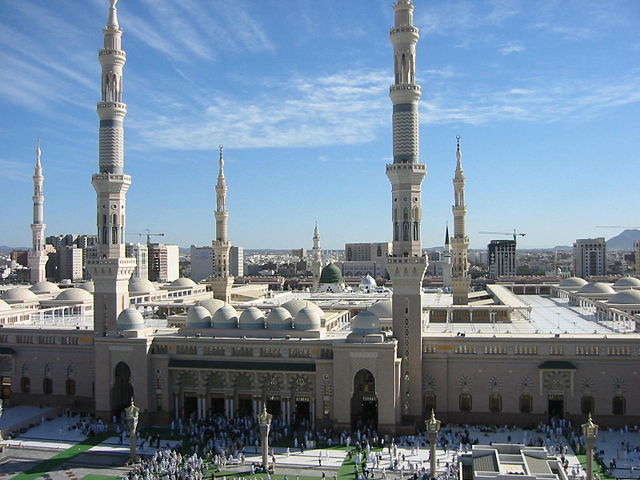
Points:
[(364, 403), (122, 392)]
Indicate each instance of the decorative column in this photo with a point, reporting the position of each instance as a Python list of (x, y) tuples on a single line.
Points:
[(433, 427), (37, 257), (590, 432), (132, 413), (264, 420), (221, 282), (316, 260), (460, 242)]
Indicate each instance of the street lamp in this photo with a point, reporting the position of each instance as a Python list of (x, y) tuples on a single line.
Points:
[(132, 413), (433, 427), (590, 432), (264, 420)]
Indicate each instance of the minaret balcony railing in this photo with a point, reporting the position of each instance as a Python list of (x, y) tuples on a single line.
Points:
[(416, 260), (405, 29), (405, 86), (112, 51), (112, 177), (406, 166)]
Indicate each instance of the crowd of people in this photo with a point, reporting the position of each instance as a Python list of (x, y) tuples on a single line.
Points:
[(167, 464)]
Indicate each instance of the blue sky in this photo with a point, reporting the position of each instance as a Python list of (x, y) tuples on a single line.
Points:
[(545, 94)]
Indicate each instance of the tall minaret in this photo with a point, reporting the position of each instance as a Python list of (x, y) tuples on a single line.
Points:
[(111, 270), (37, 257), (460, 242), (446, 263), (222, 281), (407, 265), (316, 259)]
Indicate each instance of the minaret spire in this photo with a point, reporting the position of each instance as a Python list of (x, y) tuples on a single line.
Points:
[(111, 270), (407, 265), (37, 258), (222, 281), (460, 242), (316, 259)]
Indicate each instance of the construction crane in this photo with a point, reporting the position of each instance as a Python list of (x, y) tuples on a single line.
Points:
[(148, 235), (515, 234)]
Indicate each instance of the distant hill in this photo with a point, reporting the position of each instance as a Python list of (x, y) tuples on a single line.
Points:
[(624, 241), (6, 249)]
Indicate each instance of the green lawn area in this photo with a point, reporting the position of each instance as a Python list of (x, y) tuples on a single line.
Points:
[(55, 462), (596, 467), (99, 477)]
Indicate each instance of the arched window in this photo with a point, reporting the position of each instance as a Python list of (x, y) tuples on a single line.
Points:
[(619, 405), (47, 386), (70, 386), (465, 401), (526, 403), (587, 405), (25, 385), (495, 403)]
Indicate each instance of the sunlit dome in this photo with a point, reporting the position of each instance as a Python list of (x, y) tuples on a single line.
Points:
[(279, 319), (19, 294), (42, 288), (365, 323), (212, 304), (368, 282), (183, 283), (130, 318), (573, 282), (331, 274), (307, 319), (89, 286), (140, 286), (625, 297), (382, 309), (4, 306), (627, 282), (295, 305), (74, 294), (225, 317), (251, 317), (198, 317), (597, 288)]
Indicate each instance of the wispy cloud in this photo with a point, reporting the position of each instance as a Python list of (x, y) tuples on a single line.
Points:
[(15, 171), (513, 46)]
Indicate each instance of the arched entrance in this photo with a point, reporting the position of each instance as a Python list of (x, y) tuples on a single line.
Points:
[(364, 403), (122, 392)]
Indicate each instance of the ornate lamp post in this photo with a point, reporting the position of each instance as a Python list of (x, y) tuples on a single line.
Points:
[(433, 427), (590, 432), (264, 420), (132, 413)]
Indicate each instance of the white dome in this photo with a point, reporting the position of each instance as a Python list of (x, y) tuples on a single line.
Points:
[(141, 286), (130, 318), (19, 294), (279, 318), (295, 305), (573, 282), (198, 317), (365, 323), (251, 317), (597, 288), (382, 309), (41, 288), (89, 286), (4, 306), (74, 294), (628, 282), (183, 283), (307, 319), (225, 317), (212, 304), (626, 297), (368, 282)]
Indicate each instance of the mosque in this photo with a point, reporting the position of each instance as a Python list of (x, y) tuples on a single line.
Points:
[(514, 354)]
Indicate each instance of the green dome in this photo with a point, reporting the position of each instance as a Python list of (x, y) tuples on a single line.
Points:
[(331, 274)]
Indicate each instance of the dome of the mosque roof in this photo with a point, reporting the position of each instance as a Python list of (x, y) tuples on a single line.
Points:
[(626, 297), (307, 318), (278, 319), (627, 282), (597, 288), (225, 317), (331, 274), (573, 282), (251, 317), (295, 305), (74, 294), (4, 306), (198, 317), (20, 293), (365, 323), (130, 318), (212, 304), (382, 309), (45, 287), (183, 283), (368, 282), (140, 286), (89, 286)]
